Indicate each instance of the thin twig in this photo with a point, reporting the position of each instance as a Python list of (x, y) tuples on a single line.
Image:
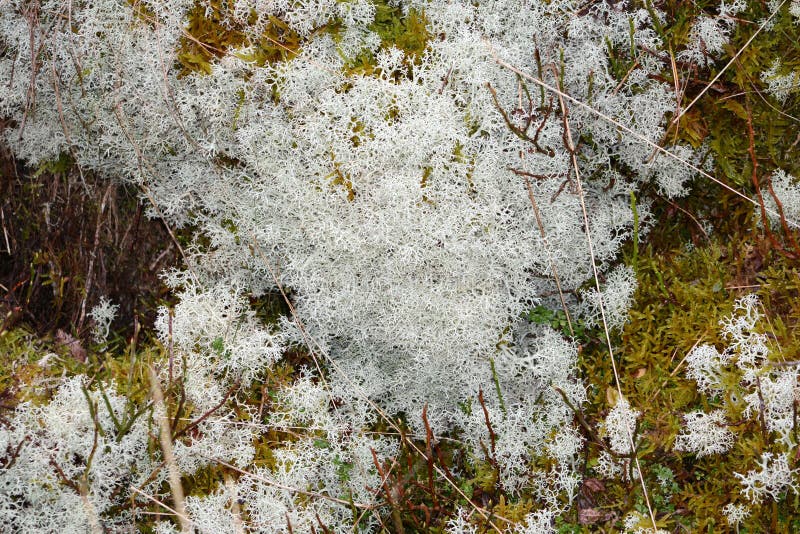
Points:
[(761, 410), (160, 257), (429, 453), (5, 232), (751, 150), (182, 518), (170, 344), (674, 371), (685, 212), (492, 435), (550, 260), (789, 363), (93, 256), (395, 510), (205, 416), (64, 479)]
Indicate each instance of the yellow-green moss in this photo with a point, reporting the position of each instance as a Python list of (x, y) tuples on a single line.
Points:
[(682, 295), (212, 31)]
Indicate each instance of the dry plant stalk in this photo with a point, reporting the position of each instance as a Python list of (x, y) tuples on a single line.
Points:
[(165, 437), (236, 510), (91, 511)]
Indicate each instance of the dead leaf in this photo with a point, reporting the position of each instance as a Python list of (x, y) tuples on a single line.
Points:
[(594, 485), (588, 516), (74, 345)]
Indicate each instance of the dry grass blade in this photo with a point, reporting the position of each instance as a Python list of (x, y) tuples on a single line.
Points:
[(5, 231), (291, 489), (236, 510), (182, 518), (556, 278), (574, 157), (674, 371), (731, 62), (93, 256)]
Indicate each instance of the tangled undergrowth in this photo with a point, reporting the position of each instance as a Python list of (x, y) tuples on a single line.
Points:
[(256, 385)]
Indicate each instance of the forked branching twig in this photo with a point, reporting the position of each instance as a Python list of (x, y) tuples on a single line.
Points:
[(191, 426), (522, 131), (626, 129)]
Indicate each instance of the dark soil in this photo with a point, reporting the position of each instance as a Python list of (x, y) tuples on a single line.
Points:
[(68, 237)]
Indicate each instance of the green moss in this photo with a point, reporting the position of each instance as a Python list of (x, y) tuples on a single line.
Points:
[(212, 31), (19, 370), (406, 31), (683, 294), (738, 100), (62, 165), (515, 510)]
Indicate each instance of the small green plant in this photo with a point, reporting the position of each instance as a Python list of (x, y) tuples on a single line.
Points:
[(557, 320)]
